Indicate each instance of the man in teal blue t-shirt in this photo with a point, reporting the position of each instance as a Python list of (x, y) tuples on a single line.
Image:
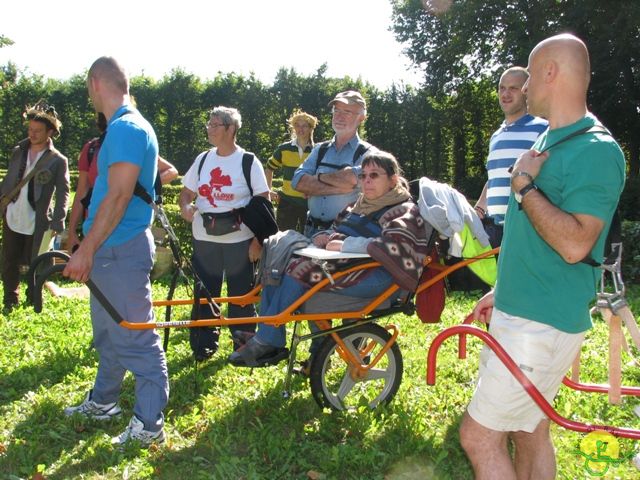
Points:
[(564, 194)]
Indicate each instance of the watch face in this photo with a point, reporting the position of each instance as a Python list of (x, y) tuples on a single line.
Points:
[(518, 197)]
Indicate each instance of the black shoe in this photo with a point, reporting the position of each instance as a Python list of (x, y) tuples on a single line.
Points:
[(203, 354), (255, 354), (204, 342), (8, 307)]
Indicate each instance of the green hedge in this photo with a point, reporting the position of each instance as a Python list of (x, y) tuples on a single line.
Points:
[(631, 251), (630, 228)]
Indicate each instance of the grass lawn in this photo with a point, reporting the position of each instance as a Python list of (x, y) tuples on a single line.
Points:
[(229, 423)]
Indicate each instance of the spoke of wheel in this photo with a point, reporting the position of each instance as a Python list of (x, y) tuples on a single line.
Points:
[(377, 374), (346, 386)]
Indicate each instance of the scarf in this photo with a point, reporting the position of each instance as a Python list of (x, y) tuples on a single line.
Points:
[(396, 195)]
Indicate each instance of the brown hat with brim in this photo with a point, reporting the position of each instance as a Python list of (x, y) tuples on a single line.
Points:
[(350, 97)]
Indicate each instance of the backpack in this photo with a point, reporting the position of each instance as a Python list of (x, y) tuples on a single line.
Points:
[(91, 153), (247, 163), (93, 146), (324, 146)]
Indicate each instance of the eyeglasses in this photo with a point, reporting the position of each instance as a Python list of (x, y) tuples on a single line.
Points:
[(372, 175), (212, 126), (345, 113)]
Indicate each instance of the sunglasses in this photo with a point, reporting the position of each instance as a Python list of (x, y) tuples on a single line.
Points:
[(372, 175)]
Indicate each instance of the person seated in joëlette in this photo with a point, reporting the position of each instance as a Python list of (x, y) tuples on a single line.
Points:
[(384, 222)]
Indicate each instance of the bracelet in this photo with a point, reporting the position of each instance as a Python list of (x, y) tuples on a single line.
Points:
[(480, 209), (521, 173)]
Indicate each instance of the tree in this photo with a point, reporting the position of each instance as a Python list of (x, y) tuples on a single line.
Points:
[(5, 41), (458, 41)]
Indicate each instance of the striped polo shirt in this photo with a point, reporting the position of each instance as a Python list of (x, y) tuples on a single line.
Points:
[(287, 157), (506, 145)]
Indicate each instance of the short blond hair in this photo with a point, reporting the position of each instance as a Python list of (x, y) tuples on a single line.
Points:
[(305, 117), (300, 115)]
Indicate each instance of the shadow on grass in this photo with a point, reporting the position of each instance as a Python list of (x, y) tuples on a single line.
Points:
[(48, 372)]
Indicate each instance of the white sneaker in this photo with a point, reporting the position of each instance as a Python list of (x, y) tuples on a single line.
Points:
[(135, 431), (94, 410)]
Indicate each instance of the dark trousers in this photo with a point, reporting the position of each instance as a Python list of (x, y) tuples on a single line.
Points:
[(290, 215), (494, 231), (213, 262), (16, 251)]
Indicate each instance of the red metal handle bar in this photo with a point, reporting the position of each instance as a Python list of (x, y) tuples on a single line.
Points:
[(591, 387), (529, 387)]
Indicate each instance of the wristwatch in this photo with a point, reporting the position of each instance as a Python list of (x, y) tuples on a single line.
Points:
[(523, 191)]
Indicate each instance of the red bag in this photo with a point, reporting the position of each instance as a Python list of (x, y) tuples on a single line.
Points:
[(430, 302)]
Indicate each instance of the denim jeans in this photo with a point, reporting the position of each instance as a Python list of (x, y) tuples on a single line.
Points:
[(275, 299)]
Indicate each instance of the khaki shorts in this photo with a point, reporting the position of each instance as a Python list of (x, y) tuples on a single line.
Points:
[(543, 353)]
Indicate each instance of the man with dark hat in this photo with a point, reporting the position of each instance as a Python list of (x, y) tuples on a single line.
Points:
[(36, 171)]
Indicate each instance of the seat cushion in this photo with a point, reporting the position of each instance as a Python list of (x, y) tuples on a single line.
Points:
[(324, 302)]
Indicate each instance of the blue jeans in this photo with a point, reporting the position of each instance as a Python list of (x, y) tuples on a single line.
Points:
[(122, 275), (275, 299)]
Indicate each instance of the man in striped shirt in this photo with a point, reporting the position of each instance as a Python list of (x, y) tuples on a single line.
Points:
[(515, 136)]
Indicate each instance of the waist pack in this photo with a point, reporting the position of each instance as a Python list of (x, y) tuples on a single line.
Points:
[(217, 224)]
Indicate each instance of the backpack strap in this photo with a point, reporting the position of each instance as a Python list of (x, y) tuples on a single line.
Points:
[(322, 151), (204, 157), (324, 146), (94, 145), (360, 151), (582, 131), (612, 244), (247, 163)]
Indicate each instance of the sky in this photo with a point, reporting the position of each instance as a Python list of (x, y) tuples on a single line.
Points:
[(61, 38)]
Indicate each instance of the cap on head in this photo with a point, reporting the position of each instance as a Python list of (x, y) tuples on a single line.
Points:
[(350, 97), (44, 113)]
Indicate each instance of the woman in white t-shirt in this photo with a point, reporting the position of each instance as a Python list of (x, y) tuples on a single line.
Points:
[(213, 188)]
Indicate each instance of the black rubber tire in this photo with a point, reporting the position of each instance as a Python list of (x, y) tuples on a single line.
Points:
[(333, 387)]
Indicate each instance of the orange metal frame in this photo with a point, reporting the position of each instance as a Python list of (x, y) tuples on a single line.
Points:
[(359, 370), (289, 314)]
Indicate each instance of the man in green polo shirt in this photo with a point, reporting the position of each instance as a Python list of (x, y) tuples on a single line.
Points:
[(564, 194)]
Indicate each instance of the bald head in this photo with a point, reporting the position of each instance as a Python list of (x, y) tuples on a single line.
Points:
[(571, 56), (108, 70), (559, 74)]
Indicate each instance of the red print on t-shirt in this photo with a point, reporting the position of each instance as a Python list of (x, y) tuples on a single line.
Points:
[(216, 182)]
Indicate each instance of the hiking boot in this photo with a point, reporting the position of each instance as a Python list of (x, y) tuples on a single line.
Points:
[(94, 410), (135, 431), (240, 338)]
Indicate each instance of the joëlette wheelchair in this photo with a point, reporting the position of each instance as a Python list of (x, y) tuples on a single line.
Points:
[(359, 362)]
